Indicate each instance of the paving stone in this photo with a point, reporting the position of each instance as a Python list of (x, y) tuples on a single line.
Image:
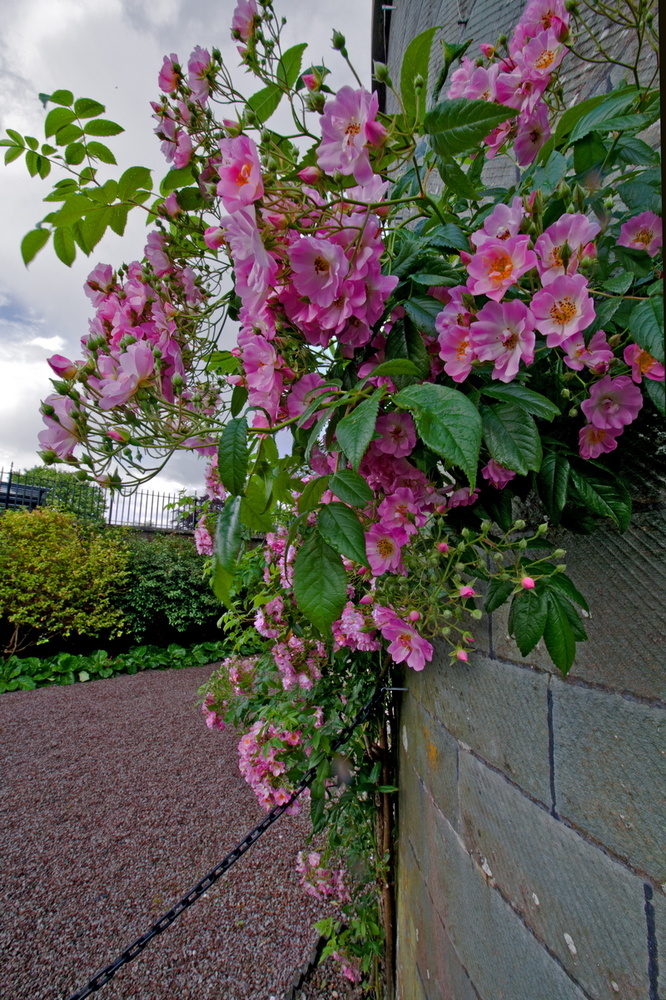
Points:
[(497, 709), (585, 907), (610, 772)]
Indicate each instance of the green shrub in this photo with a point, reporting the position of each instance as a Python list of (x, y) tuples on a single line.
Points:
[(166, 589), (66, 492), (27, 672), (58, 577)]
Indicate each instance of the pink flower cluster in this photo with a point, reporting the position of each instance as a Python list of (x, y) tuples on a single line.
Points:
[(213, 719), (262, 754), (135, 341), (520, 78), (319, 882)]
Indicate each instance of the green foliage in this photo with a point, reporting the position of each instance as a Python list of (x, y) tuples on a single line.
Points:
[(165, 587), (66, 492), (58, 577), (28, 672)]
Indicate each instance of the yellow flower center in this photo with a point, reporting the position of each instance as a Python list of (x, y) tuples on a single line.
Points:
[(563, 311)]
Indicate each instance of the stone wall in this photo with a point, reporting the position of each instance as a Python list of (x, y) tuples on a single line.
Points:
[(532, 826)]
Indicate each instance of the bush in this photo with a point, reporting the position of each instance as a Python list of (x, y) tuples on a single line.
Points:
[(58, 577), (167, 592), (66, 492)]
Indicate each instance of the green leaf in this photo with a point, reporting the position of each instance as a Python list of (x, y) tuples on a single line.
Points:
[(588, 153), (256, 505), (75, 153), (527, 619), (354, 432), (93, 227), (601, 114), (528, 400), (133, 179), (31, 142), (619, 283), (32, 162), (238, 399), (73, 209), (657, 393), (312, 494), (553, 483), (399, 366), (65, 97), (265, 102), (635, 152), (646, 324), (450, 53), (455, 179), (558, 633), (101, 152), (15, 136), (223, 363), (70, 133), (447, 422), (289, 66), (63, 244), (13, 153), (340, 527), (448, 236), (85, 107), (423, 310), (102, 126), (459, 125), (511, 437), (351, 488), (227, 546), (415, 62), (640, 196), (499, 591), (57, 119), (233, 455), (604, 496), (320, 582), (118, 218), (427, 279), (32, 243), (405, 342), (177, 178), (562, 583)]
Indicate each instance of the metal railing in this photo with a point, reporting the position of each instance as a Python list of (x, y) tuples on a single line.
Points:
[(146, 509)]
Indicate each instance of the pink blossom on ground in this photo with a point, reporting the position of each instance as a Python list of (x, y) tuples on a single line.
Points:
[(595, 441), (383, 549), (504, 221), (563, 308), (348, 127), (613, 403), (498, 264), (240, 182), (596, 355), (503, 332), (642, 364), (497, 475), (397, 434), (642, 232)]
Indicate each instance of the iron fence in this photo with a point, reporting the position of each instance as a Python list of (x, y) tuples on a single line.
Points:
[(142, 509)]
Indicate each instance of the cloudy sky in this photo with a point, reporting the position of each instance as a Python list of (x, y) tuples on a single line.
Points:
[(109, 50)]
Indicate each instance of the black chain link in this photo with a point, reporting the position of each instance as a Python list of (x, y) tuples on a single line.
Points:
[(106, 974)]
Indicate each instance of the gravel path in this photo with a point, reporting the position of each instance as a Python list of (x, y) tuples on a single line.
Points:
[(114, 800)]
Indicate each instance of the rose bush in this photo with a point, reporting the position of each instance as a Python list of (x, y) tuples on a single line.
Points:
[(439, 351)]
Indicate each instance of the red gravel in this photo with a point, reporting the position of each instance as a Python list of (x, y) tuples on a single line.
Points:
[(114, 800)]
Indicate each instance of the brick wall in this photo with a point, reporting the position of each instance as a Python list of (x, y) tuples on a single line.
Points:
[(531, 861)]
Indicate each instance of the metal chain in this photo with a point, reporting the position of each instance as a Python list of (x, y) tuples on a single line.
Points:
[(106, 974)]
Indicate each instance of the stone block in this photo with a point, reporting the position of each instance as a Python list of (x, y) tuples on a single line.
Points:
[(610, 772), (497, 709), (585, 907), (623, 578), (433, 753), (503, 959)]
